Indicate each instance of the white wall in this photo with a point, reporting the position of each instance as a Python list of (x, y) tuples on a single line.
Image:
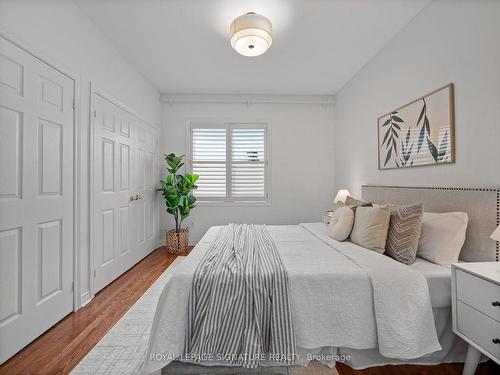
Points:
[(449, 41), (59, 31), (301, 162)]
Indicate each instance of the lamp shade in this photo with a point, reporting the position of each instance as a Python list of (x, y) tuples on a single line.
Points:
[(341, 196), (496, 234), (251, 34)]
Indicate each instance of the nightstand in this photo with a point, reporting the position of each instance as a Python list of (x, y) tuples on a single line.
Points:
[(325, 218), (475, 291)]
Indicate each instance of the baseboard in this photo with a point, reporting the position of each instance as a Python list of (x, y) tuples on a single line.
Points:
[(85, 298), (161, 242)]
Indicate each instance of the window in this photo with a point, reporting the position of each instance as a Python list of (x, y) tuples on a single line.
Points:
[(231, 160)]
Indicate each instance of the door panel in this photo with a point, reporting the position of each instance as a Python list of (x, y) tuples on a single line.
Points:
[(124, 158), (140, 222), (124, 167), (147, 225), (50, 153), (36, 197), (49, 259), (10, 152), (10, 274), (108, 237), (124, 230), (108, 165)]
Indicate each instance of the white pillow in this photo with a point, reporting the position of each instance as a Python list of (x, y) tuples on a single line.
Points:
[(442, 236), (341, 223)]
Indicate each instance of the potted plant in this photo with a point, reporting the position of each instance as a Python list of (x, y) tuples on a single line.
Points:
[(177, 190)]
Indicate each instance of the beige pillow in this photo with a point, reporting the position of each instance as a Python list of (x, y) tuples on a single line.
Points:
[(370, 227), (442, 237), (341, 224), (338, 205)]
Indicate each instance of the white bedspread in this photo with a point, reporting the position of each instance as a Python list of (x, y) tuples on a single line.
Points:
[(401, 300), (342, 296)]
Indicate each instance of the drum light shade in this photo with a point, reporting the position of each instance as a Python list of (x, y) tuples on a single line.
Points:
[(251, 34)]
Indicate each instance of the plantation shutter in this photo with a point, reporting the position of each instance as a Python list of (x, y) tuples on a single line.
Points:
[(231, 162), (209, 161), (248, 162)]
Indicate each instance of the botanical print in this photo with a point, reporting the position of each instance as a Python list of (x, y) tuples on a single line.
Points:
[(419, 133)]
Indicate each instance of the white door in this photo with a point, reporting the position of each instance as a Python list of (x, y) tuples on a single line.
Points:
[(146, 176), (113, 128), (124, 168), (36, 197)]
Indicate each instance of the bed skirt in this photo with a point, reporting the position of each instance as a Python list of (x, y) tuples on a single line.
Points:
[(453, 350)]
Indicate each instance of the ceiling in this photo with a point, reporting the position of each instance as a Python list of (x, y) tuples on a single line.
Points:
[(183, 46)]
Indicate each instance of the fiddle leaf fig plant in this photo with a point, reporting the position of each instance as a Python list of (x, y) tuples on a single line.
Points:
[(177, 190)]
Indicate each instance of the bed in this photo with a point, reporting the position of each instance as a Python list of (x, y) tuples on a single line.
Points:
[(340, 292)]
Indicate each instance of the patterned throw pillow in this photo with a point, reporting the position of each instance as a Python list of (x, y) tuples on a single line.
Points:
[(350, 201), (355, 203), (404, 233)]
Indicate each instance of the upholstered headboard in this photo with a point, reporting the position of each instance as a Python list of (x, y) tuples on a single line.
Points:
[(481, 205)]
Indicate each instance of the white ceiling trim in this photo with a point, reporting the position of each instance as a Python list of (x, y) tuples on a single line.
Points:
[(172, 98)]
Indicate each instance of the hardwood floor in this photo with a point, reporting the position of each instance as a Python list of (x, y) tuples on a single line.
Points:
[(488, 368), (60, 349)]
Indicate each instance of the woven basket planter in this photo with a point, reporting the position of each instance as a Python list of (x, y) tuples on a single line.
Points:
[(177, 243)]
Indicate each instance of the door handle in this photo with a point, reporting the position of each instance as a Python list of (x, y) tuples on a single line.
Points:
[(137, 197), (131, 198)]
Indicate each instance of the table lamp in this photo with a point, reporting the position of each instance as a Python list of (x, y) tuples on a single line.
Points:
[(342, 195)]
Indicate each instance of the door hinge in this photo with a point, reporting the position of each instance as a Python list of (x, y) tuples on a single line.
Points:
[(73, 286), (94, 273), (95, 113), (74, 104)]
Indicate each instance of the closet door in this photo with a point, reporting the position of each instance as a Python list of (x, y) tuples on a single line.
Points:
[(124, 170), (36, 197), (113, 130), (146, 167)]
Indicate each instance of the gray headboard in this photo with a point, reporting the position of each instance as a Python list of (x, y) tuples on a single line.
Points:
[(481, 205)]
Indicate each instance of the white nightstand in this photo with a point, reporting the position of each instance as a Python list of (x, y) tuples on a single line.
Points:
[(327, 215), (475, 290)]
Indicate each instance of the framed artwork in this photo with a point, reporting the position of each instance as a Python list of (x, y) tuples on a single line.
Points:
[(421, 132)]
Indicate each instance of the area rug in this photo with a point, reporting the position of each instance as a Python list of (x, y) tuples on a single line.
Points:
[(122, 349)]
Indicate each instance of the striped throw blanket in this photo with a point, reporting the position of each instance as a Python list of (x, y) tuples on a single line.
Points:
[(239, 308)]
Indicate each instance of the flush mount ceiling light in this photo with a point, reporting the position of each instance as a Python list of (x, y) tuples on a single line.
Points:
[(251, 34)]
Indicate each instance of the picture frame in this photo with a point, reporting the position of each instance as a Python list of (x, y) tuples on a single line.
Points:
[(419, 133)]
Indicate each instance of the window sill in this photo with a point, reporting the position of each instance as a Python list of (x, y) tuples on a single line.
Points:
[(201, 203)]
